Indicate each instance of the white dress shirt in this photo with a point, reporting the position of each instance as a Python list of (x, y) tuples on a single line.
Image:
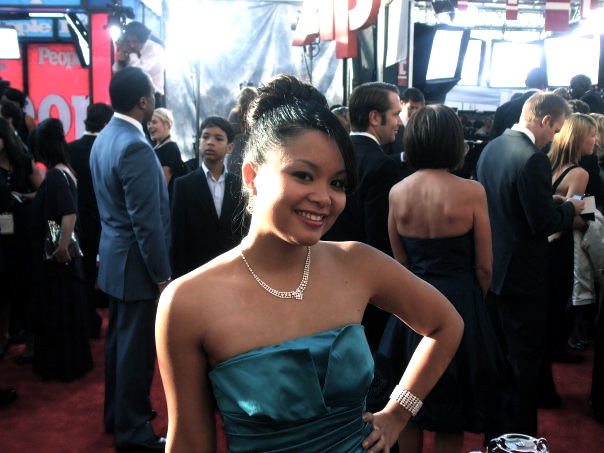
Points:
[(216, 187)]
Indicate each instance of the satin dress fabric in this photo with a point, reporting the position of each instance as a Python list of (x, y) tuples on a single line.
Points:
[(305, 394)]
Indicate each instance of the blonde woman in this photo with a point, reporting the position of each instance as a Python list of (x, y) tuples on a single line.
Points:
[(576, 139), (167, 150)]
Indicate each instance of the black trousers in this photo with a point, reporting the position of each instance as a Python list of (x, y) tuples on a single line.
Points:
[(523, 338)]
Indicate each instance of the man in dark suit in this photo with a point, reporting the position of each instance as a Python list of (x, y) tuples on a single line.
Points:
[(208, 208), (412, 99), (508, 114), (374, 110), (581, 88), (517, 178), (134, 256), (98, 115)]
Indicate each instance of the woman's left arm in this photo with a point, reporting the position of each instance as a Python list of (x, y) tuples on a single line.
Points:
[(61, 254), (483, 247), (167, 173), (577, 183), (426, 311)]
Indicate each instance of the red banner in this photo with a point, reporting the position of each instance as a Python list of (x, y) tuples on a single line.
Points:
[(557, 15), (58, 86), (511, 10), (12, 71), (587, 6), (101, 58)]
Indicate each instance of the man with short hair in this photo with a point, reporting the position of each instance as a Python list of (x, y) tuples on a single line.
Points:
[(517, 178), (508, 113), (581, 88), (412, 99), (374, 110), (134, 253), (208, 207)]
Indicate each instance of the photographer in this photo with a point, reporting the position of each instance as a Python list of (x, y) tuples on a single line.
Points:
[(136, 48)]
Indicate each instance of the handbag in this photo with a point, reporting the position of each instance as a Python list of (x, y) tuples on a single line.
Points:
[(517, 443), (52, 242)]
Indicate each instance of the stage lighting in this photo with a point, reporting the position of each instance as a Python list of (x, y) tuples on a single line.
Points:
[(9, 43), (79, 35)]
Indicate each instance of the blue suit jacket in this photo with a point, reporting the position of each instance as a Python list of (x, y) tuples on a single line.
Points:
[(135, 213)]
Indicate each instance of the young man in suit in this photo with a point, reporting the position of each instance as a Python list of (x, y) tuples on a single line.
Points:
[(97, 116), (374, 110), (517, 178), (208, 208), (134, 255), (508, 113)]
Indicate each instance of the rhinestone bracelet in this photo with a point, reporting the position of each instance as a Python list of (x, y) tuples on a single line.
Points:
[(406, 399)]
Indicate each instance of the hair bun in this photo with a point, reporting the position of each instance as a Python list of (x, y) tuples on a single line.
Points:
[(283, 90)]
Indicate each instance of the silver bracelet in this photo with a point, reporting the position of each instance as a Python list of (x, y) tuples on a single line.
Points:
[(406, 399)]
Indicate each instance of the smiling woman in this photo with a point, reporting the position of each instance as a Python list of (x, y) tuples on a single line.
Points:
[(269, 330), (167, 150)]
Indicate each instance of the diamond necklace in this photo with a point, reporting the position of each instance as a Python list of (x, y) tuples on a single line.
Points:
[(297, 293)]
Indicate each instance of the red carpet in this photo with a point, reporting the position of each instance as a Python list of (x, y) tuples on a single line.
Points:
[(61, 417)]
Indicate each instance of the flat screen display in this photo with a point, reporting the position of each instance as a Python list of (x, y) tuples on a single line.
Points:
[(511, 62), (570, 55), (444, 55), (472, 63), (9, 44)]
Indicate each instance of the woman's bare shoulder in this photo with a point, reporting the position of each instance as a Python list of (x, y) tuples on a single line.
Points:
[(203, 285)]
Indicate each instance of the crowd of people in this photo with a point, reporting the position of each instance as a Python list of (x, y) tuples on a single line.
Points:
[(421, 300)]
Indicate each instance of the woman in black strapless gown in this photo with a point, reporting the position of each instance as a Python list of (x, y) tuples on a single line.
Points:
[(439, 229)]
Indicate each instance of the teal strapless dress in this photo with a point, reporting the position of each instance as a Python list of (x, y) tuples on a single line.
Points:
[(302, 395)]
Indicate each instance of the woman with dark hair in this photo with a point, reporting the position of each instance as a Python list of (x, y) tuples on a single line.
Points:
[(290, 369), (27, 122), (62, 350), (23, 179), (439, 229), (238, 120)]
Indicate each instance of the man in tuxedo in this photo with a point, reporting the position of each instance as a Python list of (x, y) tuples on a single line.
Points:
[(208, 208), (134, 256), (412, 99), (374, 110), (508, 114), (97, 116), (517, 178)]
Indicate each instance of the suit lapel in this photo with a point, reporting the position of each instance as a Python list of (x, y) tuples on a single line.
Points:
[(206, 196)]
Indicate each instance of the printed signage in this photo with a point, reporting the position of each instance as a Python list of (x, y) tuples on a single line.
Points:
[(338, 20)]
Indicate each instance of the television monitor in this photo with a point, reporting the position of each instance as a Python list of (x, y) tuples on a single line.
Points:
[(471, 73), (567, 56), (443, 62), (9, 43), (511, 62)]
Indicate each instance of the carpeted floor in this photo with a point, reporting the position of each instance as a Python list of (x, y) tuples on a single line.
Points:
[(62, 417)]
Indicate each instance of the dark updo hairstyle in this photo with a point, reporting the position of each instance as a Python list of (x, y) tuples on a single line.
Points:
[(52, 147), (284, 108), (434, 138)]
